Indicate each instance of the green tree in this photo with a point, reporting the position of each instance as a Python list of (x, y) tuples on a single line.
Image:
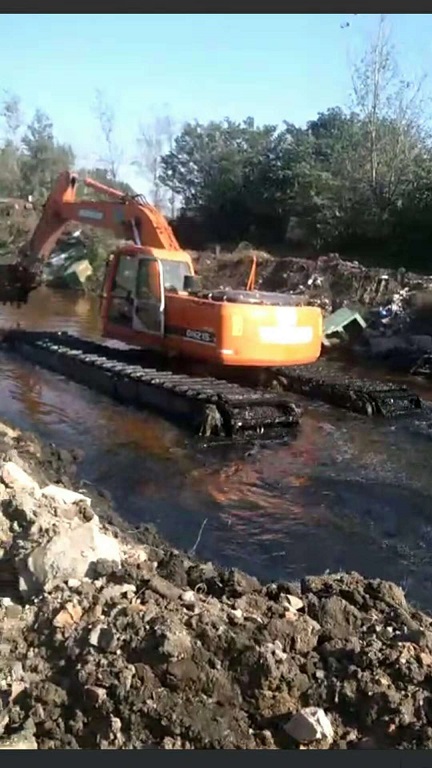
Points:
[(394, 141), (42, 157), (12, 116), (12, 119), (216, 170), (103, 176), (9, 170)]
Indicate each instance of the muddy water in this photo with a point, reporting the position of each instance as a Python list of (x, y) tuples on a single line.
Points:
[(343, 493)]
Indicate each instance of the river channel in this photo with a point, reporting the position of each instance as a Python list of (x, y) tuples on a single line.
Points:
[(343, 493)]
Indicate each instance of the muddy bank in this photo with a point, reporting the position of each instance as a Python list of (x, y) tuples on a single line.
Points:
[(328, 279), (112, 639)]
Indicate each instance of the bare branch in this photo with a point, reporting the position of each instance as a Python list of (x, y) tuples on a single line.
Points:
[(200, 533), (393, 112), (156, 138), (106, 117)]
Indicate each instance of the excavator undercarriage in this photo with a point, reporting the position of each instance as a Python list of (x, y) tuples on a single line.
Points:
[(209, 406)]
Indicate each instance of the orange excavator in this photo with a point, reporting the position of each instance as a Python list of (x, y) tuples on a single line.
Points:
[(152, 297)]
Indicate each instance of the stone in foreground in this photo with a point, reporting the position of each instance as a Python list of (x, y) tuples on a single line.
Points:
[(70, 554), (310, 724)]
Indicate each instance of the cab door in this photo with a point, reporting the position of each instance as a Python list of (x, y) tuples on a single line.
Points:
[(119, 302), (149, 305)]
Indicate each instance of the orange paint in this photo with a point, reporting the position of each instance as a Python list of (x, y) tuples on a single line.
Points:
[(145, 303)]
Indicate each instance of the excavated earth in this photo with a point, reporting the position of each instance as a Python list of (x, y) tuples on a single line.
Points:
[(111, 639), (328, 280)]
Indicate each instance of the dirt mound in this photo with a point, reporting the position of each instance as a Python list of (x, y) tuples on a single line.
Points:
[(328, 281), (134, 660), (150, 648)]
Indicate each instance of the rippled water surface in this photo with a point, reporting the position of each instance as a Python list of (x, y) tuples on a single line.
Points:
[(343, 492)]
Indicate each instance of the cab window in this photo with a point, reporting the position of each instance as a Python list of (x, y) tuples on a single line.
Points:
[(125, 278), (174, 272), (123, 292)]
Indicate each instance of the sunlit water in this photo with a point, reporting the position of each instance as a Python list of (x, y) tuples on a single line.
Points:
[(344, 493)]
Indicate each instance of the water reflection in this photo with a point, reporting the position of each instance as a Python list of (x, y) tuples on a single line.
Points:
[(56, 311)]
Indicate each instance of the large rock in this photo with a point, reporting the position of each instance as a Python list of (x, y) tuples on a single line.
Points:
[(5, 531), (70, 554), (17, 478), (60, 495), (19, 741), (310, 724)]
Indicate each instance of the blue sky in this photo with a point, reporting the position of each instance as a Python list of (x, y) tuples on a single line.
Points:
[(202, 66)]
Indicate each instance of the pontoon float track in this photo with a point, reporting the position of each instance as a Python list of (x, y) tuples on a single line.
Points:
[(209, 406), (362, 396)]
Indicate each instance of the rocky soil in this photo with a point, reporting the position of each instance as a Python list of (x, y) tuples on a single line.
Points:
[(329, 280), (113, 640)]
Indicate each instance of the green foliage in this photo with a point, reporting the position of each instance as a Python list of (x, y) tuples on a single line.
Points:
[(41, 157), (103, 176), (30, 157), (324, 185), (349, 180)]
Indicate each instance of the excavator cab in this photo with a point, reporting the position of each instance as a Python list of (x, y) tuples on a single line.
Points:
[(135, 287)]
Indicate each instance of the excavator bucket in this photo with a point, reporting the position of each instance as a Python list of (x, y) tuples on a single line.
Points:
[(16, 283)]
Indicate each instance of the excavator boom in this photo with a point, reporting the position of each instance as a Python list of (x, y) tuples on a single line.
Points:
[(128, 217)]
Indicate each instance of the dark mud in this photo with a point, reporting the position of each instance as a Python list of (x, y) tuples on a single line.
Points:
[(229, 671), (164, 651)]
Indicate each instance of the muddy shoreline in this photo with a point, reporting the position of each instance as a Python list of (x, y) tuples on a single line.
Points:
[(113, 639)]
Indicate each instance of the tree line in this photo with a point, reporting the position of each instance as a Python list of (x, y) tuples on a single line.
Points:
[(354, 180)]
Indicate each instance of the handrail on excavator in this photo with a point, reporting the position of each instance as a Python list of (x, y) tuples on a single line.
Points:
[(98, 187), (250, 285)]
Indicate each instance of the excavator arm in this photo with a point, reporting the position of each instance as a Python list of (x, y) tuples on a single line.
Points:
[(128, 217)]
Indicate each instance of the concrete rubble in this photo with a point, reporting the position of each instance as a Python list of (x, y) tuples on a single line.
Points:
[(111, 639), (390, 328), (379, 315), (310, 724)]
